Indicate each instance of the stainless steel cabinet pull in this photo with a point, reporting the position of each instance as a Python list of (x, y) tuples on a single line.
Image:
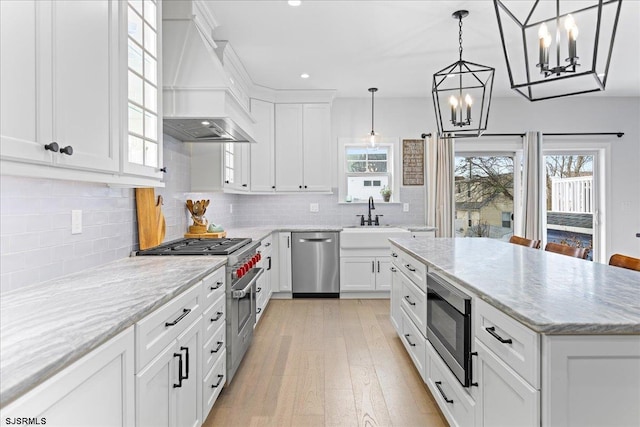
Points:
[(218, 316), (218, 284), (408, 300), (409, 267), (220, 377), (186, 350), (182, 316), (179, 356), (492, 332), (406, 336), (218, 347), (444, 396)]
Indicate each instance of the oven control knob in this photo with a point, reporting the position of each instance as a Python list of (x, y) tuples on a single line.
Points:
[(258, 257), (239, 272)]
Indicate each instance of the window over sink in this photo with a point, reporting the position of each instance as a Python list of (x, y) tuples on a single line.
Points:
[(366, 170)]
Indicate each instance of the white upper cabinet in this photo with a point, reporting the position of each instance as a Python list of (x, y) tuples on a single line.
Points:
[(79, 90), (302, 143), (60, 83), (316, 137), (236, 167), (263, 176), (289, 147)]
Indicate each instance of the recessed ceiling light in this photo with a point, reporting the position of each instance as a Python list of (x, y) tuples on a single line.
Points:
[(304, 75), (205, 123), (294, 2)]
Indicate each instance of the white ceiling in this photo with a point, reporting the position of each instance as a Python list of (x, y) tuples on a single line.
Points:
[(396, 46)]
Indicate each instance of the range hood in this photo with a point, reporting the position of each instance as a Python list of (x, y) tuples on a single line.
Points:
[(204, 129), (204, 84)]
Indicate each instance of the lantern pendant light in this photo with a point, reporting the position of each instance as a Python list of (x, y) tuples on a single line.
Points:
[(539, 41), (464, 89), (373, 138)]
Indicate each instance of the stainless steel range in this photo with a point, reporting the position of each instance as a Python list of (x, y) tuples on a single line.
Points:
[(241, 277)]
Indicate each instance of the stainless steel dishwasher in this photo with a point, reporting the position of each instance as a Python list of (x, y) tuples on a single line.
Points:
[(315, 265)]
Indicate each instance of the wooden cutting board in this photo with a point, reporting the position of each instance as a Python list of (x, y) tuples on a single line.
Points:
[(218, 235), (151, 223)]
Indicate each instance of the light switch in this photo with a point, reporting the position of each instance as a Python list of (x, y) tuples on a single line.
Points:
[(405, 207), (76, 222), (313, 207)]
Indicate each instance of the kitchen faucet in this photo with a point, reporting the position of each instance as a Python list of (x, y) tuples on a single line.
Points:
[(370, 221)]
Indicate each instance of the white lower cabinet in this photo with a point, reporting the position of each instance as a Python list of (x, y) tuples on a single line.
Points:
[(396, 296), (168, 389), (504, 398), (457, 406), (365, 273), (415, 343), (284, 262), (96, 390)]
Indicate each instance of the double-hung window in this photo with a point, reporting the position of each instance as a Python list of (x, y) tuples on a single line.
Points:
[(367, 170)]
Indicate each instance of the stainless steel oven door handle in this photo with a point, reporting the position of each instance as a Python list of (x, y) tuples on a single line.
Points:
[(247, 289)]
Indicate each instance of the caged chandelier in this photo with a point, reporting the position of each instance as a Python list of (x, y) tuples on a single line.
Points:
[(540, 44), (462, 89)]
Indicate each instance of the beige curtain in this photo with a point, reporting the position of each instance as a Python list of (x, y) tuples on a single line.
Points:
[(439, 178), (532, 188)]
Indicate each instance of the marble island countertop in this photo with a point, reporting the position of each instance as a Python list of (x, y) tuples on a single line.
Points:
[(46, 326), (548, 292)]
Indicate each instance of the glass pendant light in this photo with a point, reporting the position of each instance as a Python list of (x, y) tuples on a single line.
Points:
[(373, 139)]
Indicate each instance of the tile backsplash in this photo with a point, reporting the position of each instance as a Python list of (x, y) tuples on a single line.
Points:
[(36, 243)]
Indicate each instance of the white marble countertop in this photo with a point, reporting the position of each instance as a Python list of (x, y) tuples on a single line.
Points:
[(548, 292), (46, 326)]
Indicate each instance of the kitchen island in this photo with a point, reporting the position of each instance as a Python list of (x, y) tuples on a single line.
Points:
[(555, 340)]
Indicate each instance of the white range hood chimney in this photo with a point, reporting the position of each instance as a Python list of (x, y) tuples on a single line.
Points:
[(204, 84)]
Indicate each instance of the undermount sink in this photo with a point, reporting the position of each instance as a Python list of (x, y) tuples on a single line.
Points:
[(369, 236)]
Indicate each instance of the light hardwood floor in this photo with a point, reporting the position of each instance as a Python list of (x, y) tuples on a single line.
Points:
[(327, 363)]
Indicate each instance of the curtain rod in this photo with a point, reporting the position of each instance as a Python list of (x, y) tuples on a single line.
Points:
[(618, 134)]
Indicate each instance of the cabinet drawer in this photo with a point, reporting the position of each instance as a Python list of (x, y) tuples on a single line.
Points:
[(157, 330), (213, 383), (266, 244), (414, 303), (214, 348), (213, 286), (514, 343), (213, 317), (456, 405), (415, 343), (413, 268)]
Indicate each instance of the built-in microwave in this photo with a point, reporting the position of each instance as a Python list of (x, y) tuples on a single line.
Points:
[(449, 326)]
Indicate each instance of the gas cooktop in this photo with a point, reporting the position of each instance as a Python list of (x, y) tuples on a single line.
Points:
[(197, 247)]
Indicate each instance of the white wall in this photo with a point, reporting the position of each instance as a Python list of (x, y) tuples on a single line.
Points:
[(408, 118)]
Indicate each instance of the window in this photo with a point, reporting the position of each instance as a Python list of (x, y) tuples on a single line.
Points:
[(367, 171), (142, 82), (484, 195)]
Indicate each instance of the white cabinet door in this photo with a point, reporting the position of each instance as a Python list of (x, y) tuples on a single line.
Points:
[(189, 395), (505, 399), (96, 390), (284, 262), (263, 176), (357, 274), (23, 106), (236, 166), (396, 296), (243, 167), (85, 72), (383, 273), (289, 148), (155, 405), (316, 147)]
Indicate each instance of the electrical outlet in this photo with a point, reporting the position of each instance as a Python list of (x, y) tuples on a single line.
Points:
[(230, 208), (405, 207), (313, 207), (76, 221)]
